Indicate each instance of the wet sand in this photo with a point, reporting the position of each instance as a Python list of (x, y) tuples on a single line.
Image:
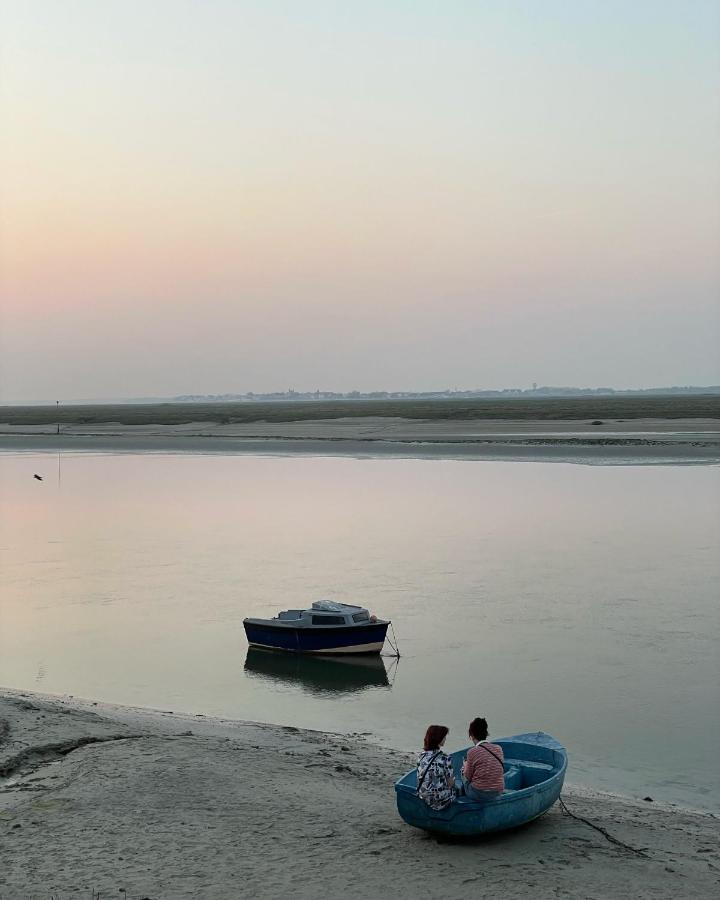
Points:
[(105, 798), (613, 441)]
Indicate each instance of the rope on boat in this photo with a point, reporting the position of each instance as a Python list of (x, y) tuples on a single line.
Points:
[(393, 645), (606, 834)]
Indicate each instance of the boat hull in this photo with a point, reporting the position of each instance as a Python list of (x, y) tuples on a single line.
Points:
[(535, 767), (333, 639)]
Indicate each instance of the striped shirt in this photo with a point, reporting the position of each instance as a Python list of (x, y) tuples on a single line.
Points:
[(482, 770)]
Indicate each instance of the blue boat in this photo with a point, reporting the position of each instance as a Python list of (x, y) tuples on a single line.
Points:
[(326, 627), (535, 765)]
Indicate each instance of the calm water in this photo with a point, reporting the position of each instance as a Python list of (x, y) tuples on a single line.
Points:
[(574, 599)]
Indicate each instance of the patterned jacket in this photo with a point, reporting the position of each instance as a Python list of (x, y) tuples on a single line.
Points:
[(434, 773)]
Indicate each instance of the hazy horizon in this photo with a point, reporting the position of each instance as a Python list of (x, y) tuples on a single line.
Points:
[(678, 390), (231, 197)]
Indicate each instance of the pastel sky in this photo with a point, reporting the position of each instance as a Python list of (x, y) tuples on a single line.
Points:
[(206, 196)]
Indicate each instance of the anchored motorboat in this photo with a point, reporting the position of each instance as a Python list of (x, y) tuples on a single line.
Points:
[(325, 627)]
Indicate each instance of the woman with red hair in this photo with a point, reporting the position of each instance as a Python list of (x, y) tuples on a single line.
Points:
[(435, 778)]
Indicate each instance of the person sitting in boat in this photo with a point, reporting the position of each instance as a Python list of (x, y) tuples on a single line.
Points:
[(483, 772), (435, 778)]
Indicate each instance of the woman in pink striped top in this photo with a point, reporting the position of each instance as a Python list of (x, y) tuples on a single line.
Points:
[(483, 769)]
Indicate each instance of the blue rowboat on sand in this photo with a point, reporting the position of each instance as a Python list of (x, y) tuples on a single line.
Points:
[(535, 765)]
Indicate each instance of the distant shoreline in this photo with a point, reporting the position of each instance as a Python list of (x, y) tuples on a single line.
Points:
[(594, 409), (628, 430)]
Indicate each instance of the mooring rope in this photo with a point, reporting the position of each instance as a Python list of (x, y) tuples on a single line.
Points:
[(603, 832), (394, 646)]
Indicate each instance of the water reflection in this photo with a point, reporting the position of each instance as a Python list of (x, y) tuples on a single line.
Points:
[(318, 674)]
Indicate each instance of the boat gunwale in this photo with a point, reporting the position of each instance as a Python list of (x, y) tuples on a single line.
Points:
[(316, 629)]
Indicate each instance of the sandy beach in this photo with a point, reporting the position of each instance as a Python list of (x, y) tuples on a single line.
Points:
[(154, 804), (640, 441)]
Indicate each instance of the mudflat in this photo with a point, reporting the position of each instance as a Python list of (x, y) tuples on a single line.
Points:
[(639, 439), (595, 429), (152, 804)]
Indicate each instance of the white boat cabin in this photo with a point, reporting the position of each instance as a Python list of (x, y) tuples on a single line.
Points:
[(325, 613)]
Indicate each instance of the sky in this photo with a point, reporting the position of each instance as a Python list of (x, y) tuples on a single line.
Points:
[(211, 196)]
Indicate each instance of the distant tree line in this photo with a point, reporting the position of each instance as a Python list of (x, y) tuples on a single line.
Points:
[(544, 391)]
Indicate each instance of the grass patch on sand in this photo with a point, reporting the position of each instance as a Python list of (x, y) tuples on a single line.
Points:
[(701, 406)]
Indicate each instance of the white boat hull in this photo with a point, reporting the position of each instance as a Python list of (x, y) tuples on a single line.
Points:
[(375, 647)]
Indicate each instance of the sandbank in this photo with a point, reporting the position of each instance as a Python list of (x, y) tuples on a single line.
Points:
[(152, 804), (637, 441)]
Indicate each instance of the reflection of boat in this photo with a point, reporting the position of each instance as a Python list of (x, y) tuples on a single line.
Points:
[(535, 767), (326, 627), (318, 674)]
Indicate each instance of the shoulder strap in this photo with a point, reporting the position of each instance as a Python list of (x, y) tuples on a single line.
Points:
[(485, 747), (427, 769)]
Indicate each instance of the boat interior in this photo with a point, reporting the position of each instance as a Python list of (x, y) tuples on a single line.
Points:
[(520, 772)]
